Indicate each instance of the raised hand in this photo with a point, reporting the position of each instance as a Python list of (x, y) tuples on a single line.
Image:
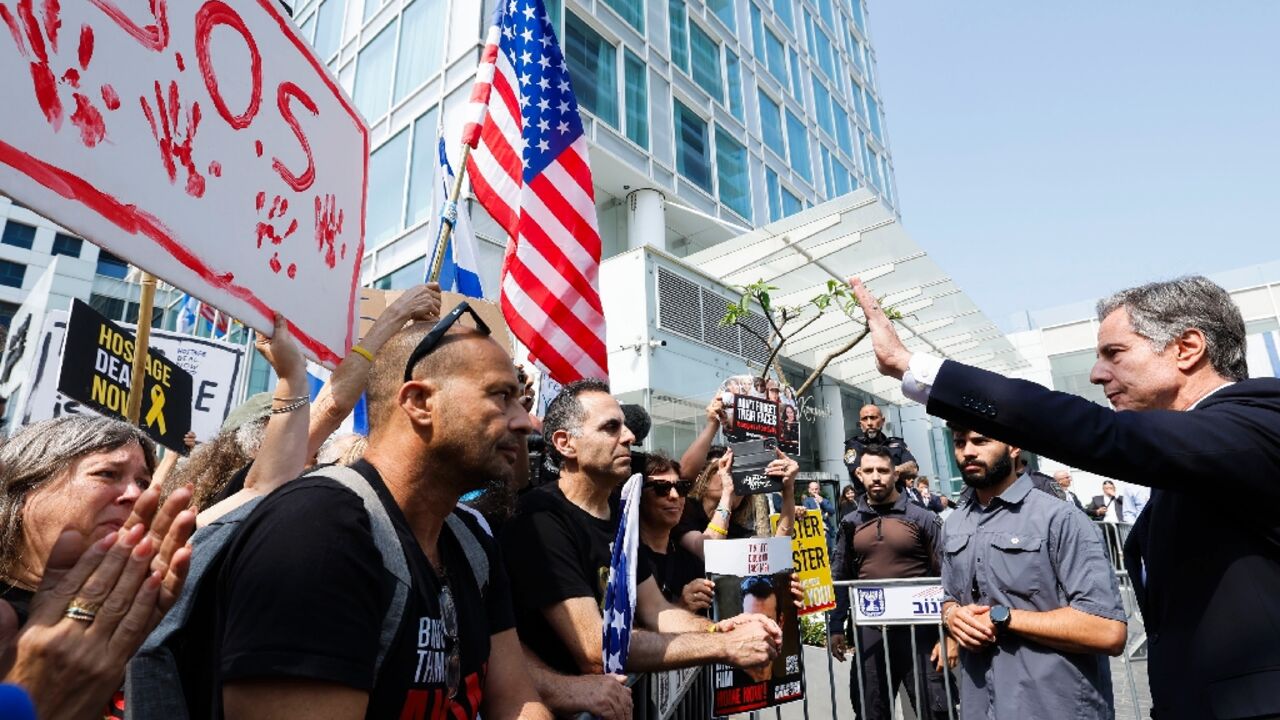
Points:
[(281, 350), (892, 356)]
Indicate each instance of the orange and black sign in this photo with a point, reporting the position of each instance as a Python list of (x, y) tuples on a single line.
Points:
[(96, 367)]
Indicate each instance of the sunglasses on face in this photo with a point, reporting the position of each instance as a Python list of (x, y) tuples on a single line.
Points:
[(664, 487), (432, 339)]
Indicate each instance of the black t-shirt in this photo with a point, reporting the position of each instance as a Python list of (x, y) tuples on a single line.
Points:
[(555, 551), (302, 593), (675, 568)]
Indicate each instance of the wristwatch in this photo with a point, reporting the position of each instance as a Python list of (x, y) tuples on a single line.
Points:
[(1000, 617)]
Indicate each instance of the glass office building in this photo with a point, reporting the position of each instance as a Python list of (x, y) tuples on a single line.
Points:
[(737, 112)]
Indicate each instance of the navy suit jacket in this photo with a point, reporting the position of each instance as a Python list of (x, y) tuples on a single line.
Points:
[(1209, 546)]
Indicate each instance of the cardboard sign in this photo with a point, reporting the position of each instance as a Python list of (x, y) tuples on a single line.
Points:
[(374, 302), (216, 368), (809, 555), (754, 576), (898, 602), (200, 140), (97, 361)]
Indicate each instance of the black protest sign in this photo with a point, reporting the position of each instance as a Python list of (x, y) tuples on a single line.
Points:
[(750, 458), (755, 417), (97, 361)]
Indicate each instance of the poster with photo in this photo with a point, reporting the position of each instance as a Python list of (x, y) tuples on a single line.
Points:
[(757, 407), (754, 576)]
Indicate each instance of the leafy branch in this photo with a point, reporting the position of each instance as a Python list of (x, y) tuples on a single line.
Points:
[(788, 321)]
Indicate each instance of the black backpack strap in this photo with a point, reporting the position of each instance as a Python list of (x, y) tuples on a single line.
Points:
[(388, 543), (152, 688), (477, 558)]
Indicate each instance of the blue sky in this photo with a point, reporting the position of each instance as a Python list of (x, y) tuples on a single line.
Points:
[(1048, 153)]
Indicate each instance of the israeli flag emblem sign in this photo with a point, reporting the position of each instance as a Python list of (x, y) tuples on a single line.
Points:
[(871, 601)]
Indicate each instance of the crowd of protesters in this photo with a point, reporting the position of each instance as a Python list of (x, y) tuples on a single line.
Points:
[(284, 569)]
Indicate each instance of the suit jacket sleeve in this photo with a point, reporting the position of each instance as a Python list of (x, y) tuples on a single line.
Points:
[(1158, 448)]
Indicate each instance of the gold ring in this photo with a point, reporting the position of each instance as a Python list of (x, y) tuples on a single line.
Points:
[(82, 610)]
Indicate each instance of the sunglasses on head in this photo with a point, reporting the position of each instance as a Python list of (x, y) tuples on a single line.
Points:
[(432, 339), (663, 487)]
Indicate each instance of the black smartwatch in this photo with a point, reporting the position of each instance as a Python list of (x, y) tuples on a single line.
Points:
[(1000, 617)]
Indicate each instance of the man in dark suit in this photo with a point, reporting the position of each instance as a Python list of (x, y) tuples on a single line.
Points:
[(1106, 507), (1171, 359)]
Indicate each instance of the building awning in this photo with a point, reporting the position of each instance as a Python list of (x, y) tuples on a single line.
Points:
[(856, 235)]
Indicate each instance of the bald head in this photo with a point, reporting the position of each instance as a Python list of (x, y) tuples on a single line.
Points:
[(870, 419), (386, 377)]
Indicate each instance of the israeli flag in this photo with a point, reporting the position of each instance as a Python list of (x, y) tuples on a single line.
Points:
[(188, 314), (458, 272), (358, 420), (620, 593)]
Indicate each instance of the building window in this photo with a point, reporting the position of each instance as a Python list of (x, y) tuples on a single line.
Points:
[(112, 266), (636, 77), (822, 103), (422, 168), (855, 50), (386, 180), (18, 235), (421, 45), (872, 163), (678, 33), (786, 13), (873, 117), (328, 28), (555, 11), (405, 277), (12, 274), (798, 142), (773, 187), (69, 245), (373, 75), (111, 307), (757, 33), (844, 129), (797, 88), (733, 72), (771, 125), (731, 173), (705, 54), (858, 18), (791, 203), (593, 65), (723, 9), (693, 147), (775, 54), (631, 10), (371, 8)]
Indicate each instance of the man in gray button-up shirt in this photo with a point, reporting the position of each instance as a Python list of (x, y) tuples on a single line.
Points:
[(1030, 596)]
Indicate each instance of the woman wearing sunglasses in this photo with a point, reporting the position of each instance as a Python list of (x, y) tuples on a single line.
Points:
[(679, 573)]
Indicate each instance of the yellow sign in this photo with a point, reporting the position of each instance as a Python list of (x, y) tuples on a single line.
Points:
[(813, 566)]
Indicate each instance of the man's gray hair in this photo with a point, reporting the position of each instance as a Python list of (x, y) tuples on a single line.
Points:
[(41, 452), (1162, 311)]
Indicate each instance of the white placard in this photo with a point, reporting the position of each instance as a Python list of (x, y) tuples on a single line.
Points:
[(750, 556), (902, 603), (202, 141), (215, 369)]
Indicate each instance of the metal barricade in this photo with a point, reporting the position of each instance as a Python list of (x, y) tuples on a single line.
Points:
[(673, 695), (922, 597)]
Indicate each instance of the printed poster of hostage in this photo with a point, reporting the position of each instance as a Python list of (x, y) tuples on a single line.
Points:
[(754, 576), (757, 407)]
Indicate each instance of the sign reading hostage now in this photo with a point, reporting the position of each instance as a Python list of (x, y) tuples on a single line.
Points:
[(199, 139), (97, 362)]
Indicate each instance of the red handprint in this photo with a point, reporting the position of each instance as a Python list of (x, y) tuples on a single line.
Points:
[(37, 40), (328, 227), (172, 151), (279, 206)]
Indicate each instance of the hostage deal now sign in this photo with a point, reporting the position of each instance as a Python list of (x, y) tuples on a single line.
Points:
[(199, 139), (97, 362)]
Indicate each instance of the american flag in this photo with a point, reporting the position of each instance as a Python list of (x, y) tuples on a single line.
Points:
[(620, 593), (529, 169)]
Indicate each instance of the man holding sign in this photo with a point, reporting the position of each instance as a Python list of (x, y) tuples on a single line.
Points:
[(888, 537)]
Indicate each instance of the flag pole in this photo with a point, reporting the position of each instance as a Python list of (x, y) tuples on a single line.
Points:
[(448, 216), (137, 378)]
